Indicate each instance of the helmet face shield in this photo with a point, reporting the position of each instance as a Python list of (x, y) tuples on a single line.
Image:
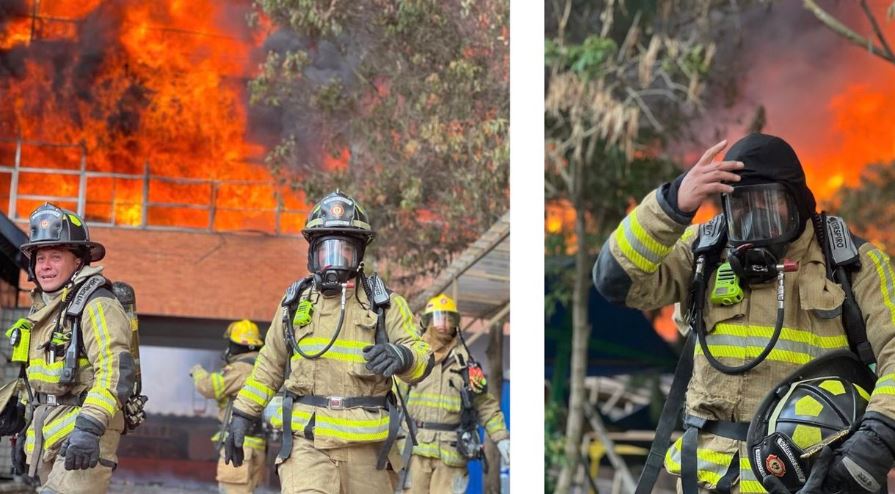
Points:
[(339, 253), (761, 214), (441, 320)]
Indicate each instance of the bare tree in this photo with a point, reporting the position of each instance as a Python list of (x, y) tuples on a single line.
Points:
[(876, 44)]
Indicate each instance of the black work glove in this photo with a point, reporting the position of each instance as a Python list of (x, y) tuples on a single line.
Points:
[(19, 459), (81, 449), (864, 459), (236, 433), (388, 359), (815, 480)]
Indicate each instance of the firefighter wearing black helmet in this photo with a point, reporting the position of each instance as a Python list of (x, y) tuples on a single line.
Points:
[(767, 286), (75, 345), (334, 345)]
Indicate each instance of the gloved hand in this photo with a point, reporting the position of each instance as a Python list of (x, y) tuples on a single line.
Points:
[(197, 371), (388, 359), (81, 449), (504, 447), (477, 381), (813, 485), (864, 459), (19, 459), (236, 433)]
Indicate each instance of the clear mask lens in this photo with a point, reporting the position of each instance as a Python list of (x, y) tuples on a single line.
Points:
[(335, 253), (760, 213), (442, 320)]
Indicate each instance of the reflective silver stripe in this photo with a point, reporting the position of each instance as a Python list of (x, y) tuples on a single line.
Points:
[(655, 254)]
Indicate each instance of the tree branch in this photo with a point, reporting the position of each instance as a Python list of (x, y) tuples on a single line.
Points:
[(876, 28), (844, 31)]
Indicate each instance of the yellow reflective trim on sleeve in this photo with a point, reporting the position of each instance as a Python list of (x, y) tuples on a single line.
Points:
[(406, 316), (256, 392), (217, 385), (883, 390), (646, 239), (632, 255), (58, 429), (101, 335), (885, 279), (494, 425), (751, 487), (102, 398)]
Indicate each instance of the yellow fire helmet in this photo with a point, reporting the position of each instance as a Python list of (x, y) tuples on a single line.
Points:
[(440, 311), (244, 332)]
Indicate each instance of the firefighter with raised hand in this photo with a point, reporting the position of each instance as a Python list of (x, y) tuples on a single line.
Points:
[(336, 341), (768, 287), (75, 346), (446, 430), (243, 342)]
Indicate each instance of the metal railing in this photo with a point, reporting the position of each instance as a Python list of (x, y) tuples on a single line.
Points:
[(17, 169)]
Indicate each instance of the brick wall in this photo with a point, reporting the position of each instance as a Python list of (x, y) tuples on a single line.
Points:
[(197, 274)]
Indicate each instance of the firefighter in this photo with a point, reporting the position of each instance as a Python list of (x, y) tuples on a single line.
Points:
[(438, 465), (79, 365), (243, 342), (768, 286), (336, 341)]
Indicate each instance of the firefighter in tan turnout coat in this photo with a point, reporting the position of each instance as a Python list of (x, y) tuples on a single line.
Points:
[(769, 216), (80, 378), (334, 344), (243, 341), (437, 466)]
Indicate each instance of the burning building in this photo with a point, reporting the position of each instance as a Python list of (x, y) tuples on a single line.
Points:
[(136, 115)]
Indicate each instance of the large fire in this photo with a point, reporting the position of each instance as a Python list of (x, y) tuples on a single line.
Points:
[(139, 88)]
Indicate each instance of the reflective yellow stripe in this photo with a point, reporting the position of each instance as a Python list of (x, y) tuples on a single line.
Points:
[(359, 430), (494, 425), (101, 335), (59, 428), (418, 347), (646, 239), (256, 392), (885, 385), (217, 385), (341, 350), (434, 400), (886, 282), (711, 465), (434, 450), (40, 371), (786, 334), (748, 483), (632, 255), (29, 440), (102, 398), (795, 346)]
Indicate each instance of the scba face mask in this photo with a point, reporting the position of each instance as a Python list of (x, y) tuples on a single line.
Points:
[(334, 261), (761, 221)]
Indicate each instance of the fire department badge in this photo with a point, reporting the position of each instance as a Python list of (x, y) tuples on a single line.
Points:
[(775, 466), (338, 210), (44, 224)]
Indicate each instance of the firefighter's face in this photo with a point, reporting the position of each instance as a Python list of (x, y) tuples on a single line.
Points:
[(54, 266)]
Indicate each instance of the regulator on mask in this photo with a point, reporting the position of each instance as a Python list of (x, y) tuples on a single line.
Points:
[(761, 221)]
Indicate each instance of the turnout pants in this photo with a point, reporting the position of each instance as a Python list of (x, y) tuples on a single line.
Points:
[(431, 475), (245, 478), (347, 470)]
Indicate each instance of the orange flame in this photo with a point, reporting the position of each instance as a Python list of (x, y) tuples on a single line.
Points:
[(165, 92)]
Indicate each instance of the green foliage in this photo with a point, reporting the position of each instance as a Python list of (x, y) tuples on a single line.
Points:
[(424, 114), (587, 59), (553, 442)]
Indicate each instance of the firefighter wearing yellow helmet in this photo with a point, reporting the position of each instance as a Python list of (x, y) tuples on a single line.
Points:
[(447, 408), (338, 339), (243, 342), (75, 348)]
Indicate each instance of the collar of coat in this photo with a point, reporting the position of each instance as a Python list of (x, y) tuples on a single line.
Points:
[(37, 302)]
